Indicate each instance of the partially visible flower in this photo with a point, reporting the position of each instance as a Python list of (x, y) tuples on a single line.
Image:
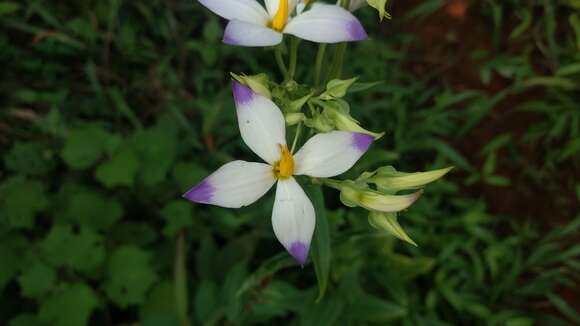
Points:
[(252, 25), (240, 183)]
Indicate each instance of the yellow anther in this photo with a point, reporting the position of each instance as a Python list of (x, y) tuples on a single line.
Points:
[(281, 17), (284, 168)]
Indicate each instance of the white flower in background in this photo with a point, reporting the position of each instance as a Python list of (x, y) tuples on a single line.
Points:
[(252, 25), (240, 183)]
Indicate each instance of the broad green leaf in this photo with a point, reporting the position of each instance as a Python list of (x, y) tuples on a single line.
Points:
[(129, 276), (85, 145), (188, 174), (120, 170), (320, 249), (89, 208), (156, 149), (134, 233), (30, 158), (37, 280), (71, 306), (11, 261), (178, 215), (81, 250), (159, 309), (388, 222), (20, 200), (266, 270)]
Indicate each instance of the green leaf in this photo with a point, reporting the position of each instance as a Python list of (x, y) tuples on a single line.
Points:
[(84, 146), (370, 308), (178, 215), (71, 306), (130, 276), (139, 234), (320, 250), (89, 208), (266, 270), (388, 222), (8, 7), (11, 261), (188, 174), (20, 200), (31, 158), (120, 170), (156, 149), (564, 307), (26, 320), (206, 300), (37, 280), (81, 250), (159, 309)]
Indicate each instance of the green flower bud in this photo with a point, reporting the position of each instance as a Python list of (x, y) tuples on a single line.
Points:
[(343, 121), (388, 179), (388, 222), (353, 195), (294, 118)]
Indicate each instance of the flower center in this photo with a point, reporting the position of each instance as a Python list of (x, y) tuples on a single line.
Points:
[(279, 20), (284, 168)]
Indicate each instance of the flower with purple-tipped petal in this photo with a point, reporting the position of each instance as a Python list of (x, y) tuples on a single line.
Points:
[(240, 183), (252, 25)]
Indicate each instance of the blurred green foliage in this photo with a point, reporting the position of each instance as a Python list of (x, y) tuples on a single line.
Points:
[(111, 109)]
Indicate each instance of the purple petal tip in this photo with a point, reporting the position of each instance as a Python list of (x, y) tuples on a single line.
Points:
[(201, 193), (361, 141), (357, 31), (242, 94), (299, 251)]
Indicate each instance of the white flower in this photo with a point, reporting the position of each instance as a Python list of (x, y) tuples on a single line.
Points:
[(252, 25), (240, 183)]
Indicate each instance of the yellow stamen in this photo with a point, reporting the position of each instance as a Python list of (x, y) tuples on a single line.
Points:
[(279, 20), (284, 168)]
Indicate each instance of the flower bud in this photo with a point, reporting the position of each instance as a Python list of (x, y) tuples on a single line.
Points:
[(294, 118), (388, 222), (388, 179), (344, 121), (352, 196)]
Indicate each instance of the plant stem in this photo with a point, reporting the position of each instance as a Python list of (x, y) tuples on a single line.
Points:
[(338, 59), (294, 41), (296, 136), (280, 61), (180, 280), (318, 67)]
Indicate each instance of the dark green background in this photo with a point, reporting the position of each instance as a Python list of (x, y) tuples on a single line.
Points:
[(111, 109)]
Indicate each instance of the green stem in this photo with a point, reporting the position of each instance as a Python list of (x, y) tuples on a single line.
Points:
[(294, 41), (180, 280), (296, 136), (338, 59), (318, 67), (280, 61)]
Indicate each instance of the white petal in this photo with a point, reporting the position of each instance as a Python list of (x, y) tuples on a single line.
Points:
[(293, 219), (245, 10), (261, 123), (234, 185), (249, 34), (326, 24), (272, 6), (332, 153)]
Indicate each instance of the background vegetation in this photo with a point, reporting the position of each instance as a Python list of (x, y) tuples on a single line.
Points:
[(111, 109)]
